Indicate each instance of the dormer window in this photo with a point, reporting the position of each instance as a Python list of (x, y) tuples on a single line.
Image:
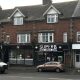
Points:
[(17, 17), (52, 18), (18, 20)]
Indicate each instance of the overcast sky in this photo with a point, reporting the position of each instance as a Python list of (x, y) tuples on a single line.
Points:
[(7, 4)]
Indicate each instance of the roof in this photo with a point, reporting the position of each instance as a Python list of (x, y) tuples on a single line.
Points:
[(33, 12), (77, 10), (66, 8), (36, 12)]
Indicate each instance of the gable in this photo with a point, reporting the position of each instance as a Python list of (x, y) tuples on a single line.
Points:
[(51, 10), (17, 13)]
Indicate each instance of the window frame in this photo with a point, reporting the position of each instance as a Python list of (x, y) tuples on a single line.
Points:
[(65, 37), (18, 20), (78, 34), (26, 38), (52, 18), (48, 35)]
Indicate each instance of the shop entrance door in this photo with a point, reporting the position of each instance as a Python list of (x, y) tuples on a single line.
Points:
[(77, 61)]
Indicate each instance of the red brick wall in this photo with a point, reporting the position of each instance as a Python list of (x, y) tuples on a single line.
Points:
[(76, 28), (59, 28)]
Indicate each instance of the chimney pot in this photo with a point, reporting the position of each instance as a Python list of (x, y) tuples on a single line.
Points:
[(47, 2)]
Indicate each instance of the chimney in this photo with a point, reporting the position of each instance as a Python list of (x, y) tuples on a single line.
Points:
[(47, 2)]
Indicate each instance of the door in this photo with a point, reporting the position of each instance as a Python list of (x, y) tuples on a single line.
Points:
[(77, 60)]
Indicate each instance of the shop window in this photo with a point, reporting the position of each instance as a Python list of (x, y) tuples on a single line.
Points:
[(21, 56), (46, 37), (60, 58), (23, 38)]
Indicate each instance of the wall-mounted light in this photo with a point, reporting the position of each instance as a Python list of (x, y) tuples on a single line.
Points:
[(36, 47), (17, 47), (1, 46)]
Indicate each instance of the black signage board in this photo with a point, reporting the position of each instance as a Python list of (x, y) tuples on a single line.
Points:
[(51, 47)]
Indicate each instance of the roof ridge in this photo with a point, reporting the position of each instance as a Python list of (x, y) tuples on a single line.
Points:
[(29, 6), (65, 2)]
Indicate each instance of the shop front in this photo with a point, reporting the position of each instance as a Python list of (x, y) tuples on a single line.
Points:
[(50, 52), (76, 54), (21, 55)]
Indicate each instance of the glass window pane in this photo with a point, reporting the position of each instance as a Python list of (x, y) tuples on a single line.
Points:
[(48, 19), (23, 38), (46, 37), (78, 37), (52, 18), (65, 37), (77, 58), (18, 21)]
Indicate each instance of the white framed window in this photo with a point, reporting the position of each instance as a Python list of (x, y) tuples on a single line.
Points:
[(65, 37), (23, 38), (45, 37), (7, 39), (78, 36), (52, 18), (18, 20)]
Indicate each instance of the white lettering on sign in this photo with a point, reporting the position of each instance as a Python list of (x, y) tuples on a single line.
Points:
[(48, 48)]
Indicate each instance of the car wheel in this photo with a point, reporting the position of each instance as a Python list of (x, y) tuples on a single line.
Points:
[(57, 70), (3, 71), (39, 70)]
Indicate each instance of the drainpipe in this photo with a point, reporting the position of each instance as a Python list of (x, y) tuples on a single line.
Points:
[(71, 41)]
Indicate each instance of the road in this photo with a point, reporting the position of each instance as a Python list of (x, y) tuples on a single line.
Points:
[(34, 75)]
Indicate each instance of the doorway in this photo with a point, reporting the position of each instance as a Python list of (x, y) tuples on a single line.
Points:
[(77, 60)]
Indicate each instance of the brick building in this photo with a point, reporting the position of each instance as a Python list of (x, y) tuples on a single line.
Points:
[(37, 34)]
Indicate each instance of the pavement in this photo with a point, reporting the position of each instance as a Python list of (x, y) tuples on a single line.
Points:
[(22, 68), (70, 71)]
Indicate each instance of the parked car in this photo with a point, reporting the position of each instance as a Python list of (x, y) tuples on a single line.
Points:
[(52, 66), (3, 67)]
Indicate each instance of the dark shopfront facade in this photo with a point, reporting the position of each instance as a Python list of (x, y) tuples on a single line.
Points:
[(41, 53), (21, 55), (51, 52)]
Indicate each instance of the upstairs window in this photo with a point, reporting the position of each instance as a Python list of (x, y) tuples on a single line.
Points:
[(52, 18), (65, 37), (18, 20), (45, 37), (78, 36), (23, 38)]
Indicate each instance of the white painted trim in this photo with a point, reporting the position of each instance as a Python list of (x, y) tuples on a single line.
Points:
[(50, 8), (78, 33), (16, 11)]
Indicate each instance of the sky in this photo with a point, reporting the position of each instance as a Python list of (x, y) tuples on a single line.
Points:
[(8, 4)]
